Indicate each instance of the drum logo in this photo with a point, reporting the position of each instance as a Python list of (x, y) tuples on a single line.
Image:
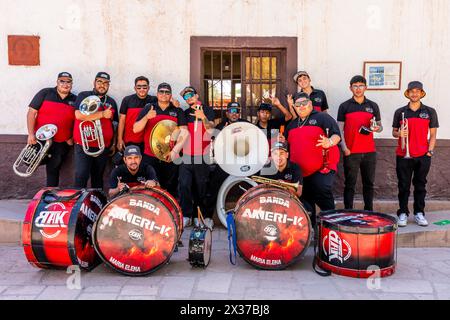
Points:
[(135, 235), (51, 217), (338, 249), (271, 232)]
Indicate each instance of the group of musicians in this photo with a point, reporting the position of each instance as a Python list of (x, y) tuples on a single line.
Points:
[(304, 142)]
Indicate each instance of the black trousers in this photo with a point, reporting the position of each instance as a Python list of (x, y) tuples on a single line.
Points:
[(415, 169), (167, 173), (88, 166), (216, 178), (192, 189), (366, 163), (318, 190), (53, 162)]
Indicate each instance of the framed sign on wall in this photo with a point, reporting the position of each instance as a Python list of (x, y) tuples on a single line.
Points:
[(383, 75)]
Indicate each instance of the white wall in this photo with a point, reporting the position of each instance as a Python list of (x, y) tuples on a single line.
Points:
[(151, 37)]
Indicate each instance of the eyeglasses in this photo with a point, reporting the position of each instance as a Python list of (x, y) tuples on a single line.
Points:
[(65, 81), (166, 92), (139, 87), (188, 95), (234, 110), (362, 86), (303, 103)]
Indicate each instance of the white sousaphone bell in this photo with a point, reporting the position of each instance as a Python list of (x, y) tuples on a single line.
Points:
[(241, 149)]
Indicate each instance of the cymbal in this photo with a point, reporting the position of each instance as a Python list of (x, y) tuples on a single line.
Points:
[(160, 138)]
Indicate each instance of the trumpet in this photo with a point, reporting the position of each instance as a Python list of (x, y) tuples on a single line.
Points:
[(32, 155), (405, 140), (91, 131), (326, 158), (277, 183)]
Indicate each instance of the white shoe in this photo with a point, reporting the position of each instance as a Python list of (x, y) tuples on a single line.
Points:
[(196, 222), (209, 223), (402, 220), (420, 219), (186, 222)]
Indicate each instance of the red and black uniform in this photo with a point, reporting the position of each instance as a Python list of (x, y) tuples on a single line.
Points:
[(52, 109), (194, 172), (144, 173), (302, 136), (415, 169), (318, 99), (86, 165), (291, 174), (131, 106), (167, 172), (363, 155)]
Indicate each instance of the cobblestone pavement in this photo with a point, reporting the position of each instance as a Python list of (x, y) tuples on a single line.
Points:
[(421, 274)]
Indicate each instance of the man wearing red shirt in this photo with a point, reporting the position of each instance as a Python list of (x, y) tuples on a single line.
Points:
[(413, 124), (54, 106), (358, 119)]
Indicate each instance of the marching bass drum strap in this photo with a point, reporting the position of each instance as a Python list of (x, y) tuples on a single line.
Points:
[(231, 226), (316, 268), (51, 193)]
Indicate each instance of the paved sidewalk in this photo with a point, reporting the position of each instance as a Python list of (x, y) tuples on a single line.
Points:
[(421, 274)]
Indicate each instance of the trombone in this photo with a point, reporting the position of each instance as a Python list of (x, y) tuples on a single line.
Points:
[(33, 154), (277, 183), (405, 140), (91, 131)]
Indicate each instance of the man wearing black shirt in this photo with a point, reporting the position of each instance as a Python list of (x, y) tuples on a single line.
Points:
[(233, 115), (131, 173), (54, 106), (266, 123), (287, 171), (318, 97), (129, 111), (89, 165)]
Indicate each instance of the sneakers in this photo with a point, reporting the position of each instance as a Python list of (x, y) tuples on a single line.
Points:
[(186, 222), (402, 220), (420, 219), (209, 223)]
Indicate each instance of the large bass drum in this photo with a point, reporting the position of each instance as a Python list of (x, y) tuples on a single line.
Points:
[(137, 233), (58, 226), (357, 243), (273, 230)]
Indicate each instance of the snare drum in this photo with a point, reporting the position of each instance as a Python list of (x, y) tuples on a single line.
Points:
[(58, 226), (273, 229), (357, 243), (137, 233), (200, 242)]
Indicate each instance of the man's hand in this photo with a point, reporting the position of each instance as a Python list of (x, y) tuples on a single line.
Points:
[(121, 186), (403, 133), (107, 113), (112, 150), (281, 138), (175, 102), (198, 113), (151, 114), (290, 100), (275, 101), (347, 152), (32, 139), (120, 144), (323, 142), (70, 142), (150, 183), (171, 156)]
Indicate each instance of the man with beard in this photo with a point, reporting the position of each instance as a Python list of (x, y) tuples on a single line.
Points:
[(132, 173), (88, 165)]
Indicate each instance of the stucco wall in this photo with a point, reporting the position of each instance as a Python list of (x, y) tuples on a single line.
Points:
[(134, 37)]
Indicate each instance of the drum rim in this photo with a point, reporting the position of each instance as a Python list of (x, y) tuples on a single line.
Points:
[(354, 229), (308, 242), (106, 261), (347, 271)]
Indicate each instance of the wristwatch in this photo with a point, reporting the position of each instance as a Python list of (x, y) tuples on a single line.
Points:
[(431, 152)]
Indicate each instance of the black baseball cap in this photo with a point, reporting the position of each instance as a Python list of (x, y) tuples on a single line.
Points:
[(299, 95), (231, 105), (64, 74), (265, 106), (103, 75), (164, 85), (188, 89), (280, 145), (132, 150)]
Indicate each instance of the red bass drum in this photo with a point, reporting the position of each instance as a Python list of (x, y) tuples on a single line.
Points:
[(137, 233), (57, 228), (273, 230), (357, 243)]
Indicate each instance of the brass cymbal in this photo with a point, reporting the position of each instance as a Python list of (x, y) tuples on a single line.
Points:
[(160, 138)]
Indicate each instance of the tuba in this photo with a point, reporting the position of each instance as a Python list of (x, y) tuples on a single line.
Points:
[(32, 154), (405, 140), (91, 131)]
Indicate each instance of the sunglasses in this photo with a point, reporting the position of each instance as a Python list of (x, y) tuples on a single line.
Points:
[(166, 92), (234, 110), (188, 95), (303, 103), (103, 83), (138, 87)]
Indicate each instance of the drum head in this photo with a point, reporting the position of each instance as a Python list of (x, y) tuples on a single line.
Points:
[(273, 229), (135, 234)]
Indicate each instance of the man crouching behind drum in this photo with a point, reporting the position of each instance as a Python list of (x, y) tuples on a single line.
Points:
[(287, 171), (131, 173)]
